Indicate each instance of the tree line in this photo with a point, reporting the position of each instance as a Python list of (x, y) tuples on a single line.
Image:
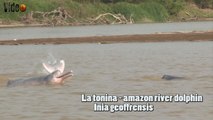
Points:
[(169, 3)]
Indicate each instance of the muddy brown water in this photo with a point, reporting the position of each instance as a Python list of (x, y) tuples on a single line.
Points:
[(116, 69)]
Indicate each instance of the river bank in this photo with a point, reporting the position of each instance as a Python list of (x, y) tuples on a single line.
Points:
[(78, 13), (158, 37)]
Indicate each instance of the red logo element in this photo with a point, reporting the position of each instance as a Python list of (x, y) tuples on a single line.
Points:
[(23, 7)]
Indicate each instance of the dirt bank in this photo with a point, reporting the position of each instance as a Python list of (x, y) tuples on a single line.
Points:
[(158, 37)]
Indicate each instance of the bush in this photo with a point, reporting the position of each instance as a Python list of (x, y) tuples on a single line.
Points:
[(172, 6), (129, 10), (155, 11), (204, 3), (124, 8), (151, 10), (115, 1)]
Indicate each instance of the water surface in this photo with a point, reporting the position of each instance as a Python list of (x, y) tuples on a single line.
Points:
[(116, 69), (101, 30)]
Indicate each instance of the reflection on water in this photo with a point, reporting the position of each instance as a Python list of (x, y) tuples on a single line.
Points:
[(116, 69)]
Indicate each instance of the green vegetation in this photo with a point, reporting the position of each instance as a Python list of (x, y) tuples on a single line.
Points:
[(204, 3), (138, 10)]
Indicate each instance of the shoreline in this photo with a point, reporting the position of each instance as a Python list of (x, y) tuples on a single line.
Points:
[(22, 25), (158, 37), (17, 25)]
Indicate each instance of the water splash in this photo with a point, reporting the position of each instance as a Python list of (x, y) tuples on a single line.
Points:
[(52, 64)]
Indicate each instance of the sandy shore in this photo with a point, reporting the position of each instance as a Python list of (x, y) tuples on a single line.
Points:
[(158, 37)]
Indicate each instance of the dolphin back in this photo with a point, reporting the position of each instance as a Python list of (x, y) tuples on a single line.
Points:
[(43, 80), (9, 83), (170, 77)]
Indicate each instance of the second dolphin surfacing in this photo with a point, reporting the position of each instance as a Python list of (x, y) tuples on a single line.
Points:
[(171, 77), (53, 78)]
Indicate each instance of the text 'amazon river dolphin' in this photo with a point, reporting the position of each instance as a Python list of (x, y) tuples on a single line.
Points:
[(55, 77)]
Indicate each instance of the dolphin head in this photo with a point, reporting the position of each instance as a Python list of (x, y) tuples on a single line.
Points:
[(58, 78)]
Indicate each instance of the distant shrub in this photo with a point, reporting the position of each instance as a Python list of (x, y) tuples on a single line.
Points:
[(124, 8), (151, 10), (204, 3), (172, 6), (115, 1), (129, 10), (155, 11)]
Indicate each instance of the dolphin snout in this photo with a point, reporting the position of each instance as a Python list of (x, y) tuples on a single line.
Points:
[(66, 75)]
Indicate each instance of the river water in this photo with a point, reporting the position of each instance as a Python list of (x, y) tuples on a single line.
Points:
[(115, 69), (101, 30)]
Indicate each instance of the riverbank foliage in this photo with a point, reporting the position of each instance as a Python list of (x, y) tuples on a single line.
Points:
[(138, 10)]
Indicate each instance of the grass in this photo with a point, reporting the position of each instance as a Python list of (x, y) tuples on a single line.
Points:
[(155, 11), (195, 11), (149, 10)]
